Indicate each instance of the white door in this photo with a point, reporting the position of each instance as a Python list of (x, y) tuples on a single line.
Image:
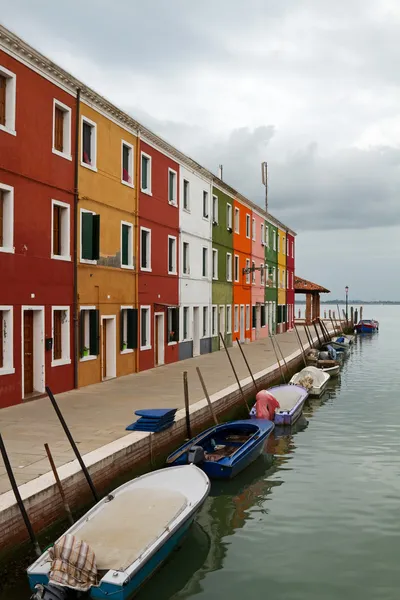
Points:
[(159, 341), (196, 331), (108, 347), (221, 324), (242, 329)]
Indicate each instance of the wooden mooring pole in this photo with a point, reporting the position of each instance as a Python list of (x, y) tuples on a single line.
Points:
[(277, 359), (283, 358), (234, 370), (59, 484), (187, 405), (316, 331), (301, 345), (247, 364), (210, 406)]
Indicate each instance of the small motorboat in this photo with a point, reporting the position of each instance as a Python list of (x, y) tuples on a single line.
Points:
[(342, 339), (224, 450), (367, 326), (313, 379), (331, 367), (116, 546), (291, 400)]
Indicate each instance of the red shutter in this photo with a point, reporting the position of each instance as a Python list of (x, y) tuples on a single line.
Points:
[(57, 335), (58, 129), (3, 82)]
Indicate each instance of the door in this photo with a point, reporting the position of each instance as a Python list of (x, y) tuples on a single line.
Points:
[(242, 329), (28, 352), (196, 331), (159, 339), (105, 354), (221, 325)]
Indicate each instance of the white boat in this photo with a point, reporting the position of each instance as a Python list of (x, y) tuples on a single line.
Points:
[(331, 371), (313, 379), (132, 531)]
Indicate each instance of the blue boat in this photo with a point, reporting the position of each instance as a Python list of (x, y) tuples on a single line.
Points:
[(367, 326), (224, 450), (131, 532)]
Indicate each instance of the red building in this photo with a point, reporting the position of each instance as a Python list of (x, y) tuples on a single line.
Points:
[(290, 279), (158, 258), (37, 125)]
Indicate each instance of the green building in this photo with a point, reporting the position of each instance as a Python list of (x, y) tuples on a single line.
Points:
[(222, 250), (271, 275)]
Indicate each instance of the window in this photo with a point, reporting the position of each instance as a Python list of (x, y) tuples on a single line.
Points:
[(172, 187), (247, 316), (89, 147), (236, 268), (171, 255), (204, 270), (229, 216), (215, 209), (254, 316), (126, 245), (61, 336), (254, 229), (283, 245), (60, 230), (228, 318), (274, 240), (287, 246), (237, 220), (8, 89), (145, 249), (205, 205), (215, 264), (247, 270), (279, 277), (173, 325), (6, 218), (262, 275), (146, 174), (267, 235), (186, 198), (262, 241), (253, 272), (62, 130), (127, 164), (89, 333), (279, 242), (228, 266), (90, 236), (185, 261), (236, 315), (128, 329), (6, 341), (292, 249), (205, 321), (214, 326), (248, 226), (284, 278), (185, 322), (145, 340), (263, 316), (274, 276)]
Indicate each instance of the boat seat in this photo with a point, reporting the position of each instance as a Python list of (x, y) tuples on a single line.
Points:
[(126, 526), (287, 399)]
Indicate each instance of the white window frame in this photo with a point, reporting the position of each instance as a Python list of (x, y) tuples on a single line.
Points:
[(215, 212), (284, 279), (215, 263), (214, 320), (279, 278), (248, 274), (237, 220), (145, 269), (65, 338), (93, 144), (148, 327), (228, 266), (187, 311), (292, 249), (11, 102), (206, 322), (202, 262), (274, 240), (175, 258), (130, 264), (149, 188), (236, 318), (228, 215), (8, 341), (206, 197), (187, 244), (248, 226), (186, 208), (67, 129), (279, 243), (85, 261), (236, 272), (124, 316), (267, 235), (262, 274), (253, 273), (248, 318), (131, 163), (86, 325), (229, 318), (65, 231), (8, 219), (284, 245), (254, 232), (174, 201), (274, 277), (262, 235)]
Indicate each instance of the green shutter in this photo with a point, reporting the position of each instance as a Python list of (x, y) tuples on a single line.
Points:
[(96, 237), (81, 332), (125, 245), (132, 328), (175, 323), (87, 235), (94, 332), (121, 329)]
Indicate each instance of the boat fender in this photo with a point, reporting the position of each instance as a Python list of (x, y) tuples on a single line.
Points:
[(50, 592), (196, 455)]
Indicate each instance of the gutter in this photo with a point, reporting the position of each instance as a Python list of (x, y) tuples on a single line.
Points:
[(76, 200)]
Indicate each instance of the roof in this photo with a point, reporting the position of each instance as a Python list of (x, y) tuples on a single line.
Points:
[(302, 286)]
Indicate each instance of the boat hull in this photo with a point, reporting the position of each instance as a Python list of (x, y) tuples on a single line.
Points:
[(367, 327), (290, 416), (332, 371)]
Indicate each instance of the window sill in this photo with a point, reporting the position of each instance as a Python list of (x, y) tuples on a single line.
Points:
[(127, 351), (187, 210), (215, 278), (86, 261), (205, 218), (145, 347), (129, 267), (172, 343), (60, 362), (186, 275), (87, 358), (7, 250), (146, 269), (90, 167), (62, 154), (60, 257), (130, 185), (8, 130), (148, 192), (7, 371), (175, 204), (172, 273)]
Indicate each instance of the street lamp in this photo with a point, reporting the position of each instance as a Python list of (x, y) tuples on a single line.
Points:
[(347, 303)]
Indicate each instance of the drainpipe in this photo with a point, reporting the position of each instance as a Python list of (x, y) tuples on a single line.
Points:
[(137, 247), (76, 200)]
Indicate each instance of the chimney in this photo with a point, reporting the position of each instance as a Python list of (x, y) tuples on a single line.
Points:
[(220, 171)]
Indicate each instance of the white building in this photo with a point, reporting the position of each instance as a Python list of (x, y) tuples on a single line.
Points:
[(196, 264)]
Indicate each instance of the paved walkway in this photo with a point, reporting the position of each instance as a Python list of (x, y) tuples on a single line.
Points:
[(98, 414)]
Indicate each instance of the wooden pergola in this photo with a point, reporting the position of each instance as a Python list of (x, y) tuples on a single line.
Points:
[(312, 292)]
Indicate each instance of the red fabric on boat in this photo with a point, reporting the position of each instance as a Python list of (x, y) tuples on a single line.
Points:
[(266, 405)]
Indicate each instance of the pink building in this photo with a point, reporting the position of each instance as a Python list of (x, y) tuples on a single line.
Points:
[(259, 320)]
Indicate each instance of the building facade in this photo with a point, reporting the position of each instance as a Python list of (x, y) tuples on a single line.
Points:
[(281, 257), (258, 303), (271, 274), (290, 261), (242, 324)]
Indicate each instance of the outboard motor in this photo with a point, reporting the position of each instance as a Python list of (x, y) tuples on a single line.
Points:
[(51, 592), (196, 455)]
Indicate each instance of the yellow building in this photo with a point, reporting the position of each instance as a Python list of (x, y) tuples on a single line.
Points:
[(281, 257), (107, 243)]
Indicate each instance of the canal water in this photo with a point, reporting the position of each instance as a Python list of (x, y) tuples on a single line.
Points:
[(318, 516)]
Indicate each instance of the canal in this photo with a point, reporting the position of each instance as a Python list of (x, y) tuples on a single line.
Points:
[(316, 517)]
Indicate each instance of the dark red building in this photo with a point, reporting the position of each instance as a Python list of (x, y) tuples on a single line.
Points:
[(290, 248), (37, 141), (158, 258)]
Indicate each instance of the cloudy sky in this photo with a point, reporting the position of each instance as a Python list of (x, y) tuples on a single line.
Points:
[(311, 86)]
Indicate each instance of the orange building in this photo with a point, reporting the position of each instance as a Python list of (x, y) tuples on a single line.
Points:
[(242, 281)]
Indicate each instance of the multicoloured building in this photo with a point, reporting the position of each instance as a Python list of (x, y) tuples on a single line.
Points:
[(118, 253)]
